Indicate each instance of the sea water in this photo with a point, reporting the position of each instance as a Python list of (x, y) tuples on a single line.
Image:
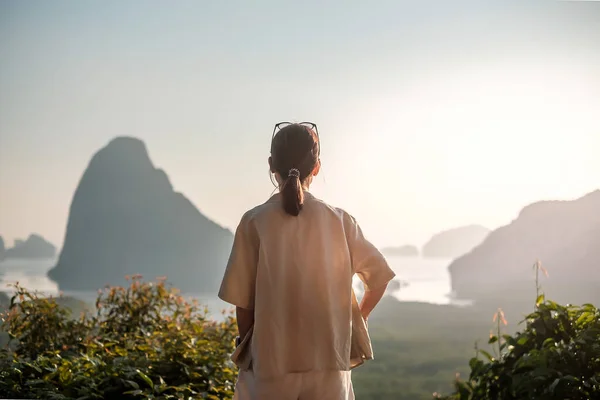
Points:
[(421, 280)]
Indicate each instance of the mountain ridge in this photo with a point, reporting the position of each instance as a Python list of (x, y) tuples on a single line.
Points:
[(125, 218), (564, 235), (454, 242)]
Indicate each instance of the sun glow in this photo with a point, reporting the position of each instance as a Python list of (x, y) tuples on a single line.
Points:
[(480, 138)]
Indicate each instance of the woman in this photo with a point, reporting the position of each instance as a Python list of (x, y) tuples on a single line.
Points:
[(290, 277)]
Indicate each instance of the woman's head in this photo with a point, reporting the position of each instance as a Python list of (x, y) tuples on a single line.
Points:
[(294, 161)]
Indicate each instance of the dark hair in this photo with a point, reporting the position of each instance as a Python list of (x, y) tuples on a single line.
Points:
[(294, 147)]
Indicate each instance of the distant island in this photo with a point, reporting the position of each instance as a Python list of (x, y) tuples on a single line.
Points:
[(455, 242), (401, 251), (34, 247), (126, 219), (563, 235), (396, 285)]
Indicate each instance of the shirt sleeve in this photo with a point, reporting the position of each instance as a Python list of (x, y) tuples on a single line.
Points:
[(239, 282), (367, 261)]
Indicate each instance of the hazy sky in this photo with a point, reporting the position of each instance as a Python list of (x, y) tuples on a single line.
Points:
[(431, 114)]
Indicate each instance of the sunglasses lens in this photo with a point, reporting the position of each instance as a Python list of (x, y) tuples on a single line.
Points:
[(280, 126)]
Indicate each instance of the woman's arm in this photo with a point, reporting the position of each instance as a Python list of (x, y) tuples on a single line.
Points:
[(245, 320), (369, 264), (239, 282), (370, 300)]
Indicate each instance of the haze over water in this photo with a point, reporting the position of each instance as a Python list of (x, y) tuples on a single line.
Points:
[(428, 281)]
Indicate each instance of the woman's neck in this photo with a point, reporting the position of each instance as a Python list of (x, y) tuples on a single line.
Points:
[(304, 188), (305, 184)]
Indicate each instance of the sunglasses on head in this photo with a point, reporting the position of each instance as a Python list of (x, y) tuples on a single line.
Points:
[(310, 125)]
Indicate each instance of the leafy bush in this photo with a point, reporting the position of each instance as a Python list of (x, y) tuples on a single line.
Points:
[(144, 341), (557, 356)]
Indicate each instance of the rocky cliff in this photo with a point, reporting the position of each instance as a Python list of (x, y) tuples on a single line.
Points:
[(563, 235), (125, 218)]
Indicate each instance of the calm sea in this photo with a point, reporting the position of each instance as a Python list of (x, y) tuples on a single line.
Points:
[(422, 280)]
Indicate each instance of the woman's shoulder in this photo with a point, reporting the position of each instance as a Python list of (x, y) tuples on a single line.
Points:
[(272, 207), (261, 209), (340, 212)]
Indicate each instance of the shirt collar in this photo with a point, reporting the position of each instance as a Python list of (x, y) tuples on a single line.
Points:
[(276, 197)]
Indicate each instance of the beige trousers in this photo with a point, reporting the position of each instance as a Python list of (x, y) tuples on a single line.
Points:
[(316, 385)]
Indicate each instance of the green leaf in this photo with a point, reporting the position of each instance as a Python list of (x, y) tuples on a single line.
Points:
[(38, 369), (487, 355), (33, 382), (475, 364), (509, 340), (145, 378), (522, 340), (134, 392), (540, 299), (553, 386), (548, 342), (133, 384)]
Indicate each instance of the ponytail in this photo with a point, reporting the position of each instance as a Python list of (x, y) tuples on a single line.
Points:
[(294, 157), (292, 193)]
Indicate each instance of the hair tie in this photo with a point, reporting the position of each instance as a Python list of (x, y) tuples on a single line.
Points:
[(294, 172)]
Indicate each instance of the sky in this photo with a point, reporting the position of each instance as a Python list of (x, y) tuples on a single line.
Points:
[(431, 114)]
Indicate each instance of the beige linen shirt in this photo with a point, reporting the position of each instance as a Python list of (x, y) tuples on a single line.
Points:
[(296, 274)]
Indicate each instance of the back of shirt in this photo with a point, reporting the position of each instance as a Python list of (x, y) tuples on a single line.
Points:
[(296, 274)]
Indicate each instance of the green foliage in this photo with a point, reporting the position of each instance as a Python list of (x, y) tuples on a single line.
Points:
[(556, 356), (144, 342), (418, 349)]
